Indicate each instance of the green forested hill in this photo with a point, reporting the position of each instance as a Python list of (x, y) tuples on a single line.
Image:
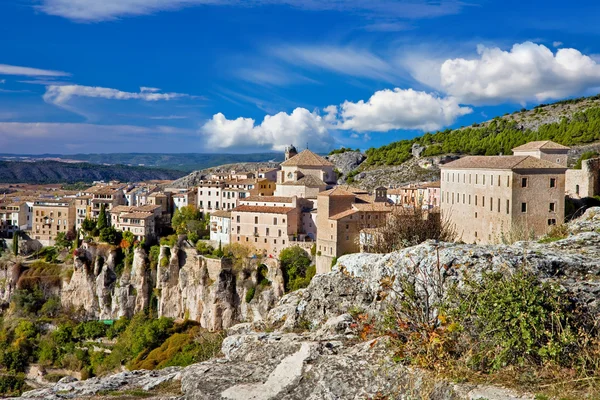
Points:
[(502, 134)]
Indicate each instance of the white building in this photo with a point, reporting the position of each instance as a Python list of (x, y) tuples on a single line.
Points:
[(220, 227)]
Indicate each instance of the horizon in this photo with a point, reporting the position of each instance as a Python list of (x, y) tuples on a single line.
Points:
[(226, 77)]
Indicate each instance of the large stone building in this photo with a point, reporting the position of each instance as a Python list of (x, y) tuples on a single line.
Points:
[(584, 182), (271, 224), (215, 195), (143, 221), (304, 175), (14, 217), (51, 217), (491, 197), (109, 195), (343, 213)]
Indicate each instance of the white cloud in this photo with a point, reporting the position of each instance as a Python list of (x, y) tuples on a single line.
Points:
[(528, 72), (28, 71), (344, 60), (400, 109), (557, 44), (274, 133), (145, 89), (94, 10), (60, 94)]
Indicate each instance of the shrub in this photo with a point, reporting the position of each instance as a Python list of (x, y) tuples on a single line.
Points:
[(557, 232), (110, 235), (204, 248), (12, 385), (250, 294), (296, 267)]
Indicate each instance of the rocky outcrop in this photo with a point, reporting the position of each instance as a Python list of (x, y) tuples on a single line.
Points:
[(97, 288), (346, 162), (211, 290)]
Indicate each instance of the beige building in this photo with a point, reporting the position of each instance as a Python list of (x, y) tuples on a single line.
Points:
[(83, 209), (425, 195), (343, 213), (110, 195), (51, 217), (142, 221), (544, 150), (225, 195), (14, 217), (584, 182), (491, 197), (304, 175)]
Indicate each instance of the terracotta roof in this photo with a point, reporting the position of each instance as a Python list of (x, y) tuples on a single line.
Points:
[(353, 189), (343, 214), (501, 162), (376, 207), (137, 215), (307, 158), (221, 214), (336, 191), (435, 184), (263, 209), (269, 199), (307, 180), (108, 190), (149, 208), (542, 144)]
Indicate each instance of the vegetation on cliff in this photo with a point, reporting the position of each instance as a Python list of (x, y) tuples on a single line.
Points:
[(497, 136)]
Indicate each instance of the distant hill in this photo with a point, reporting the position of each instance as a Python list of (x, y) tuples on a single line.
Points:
[(186, 162), (573, 122), (44, 172)]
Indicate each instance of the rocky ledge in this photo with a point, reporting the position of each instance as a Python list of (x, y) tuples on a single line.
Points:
[(308, 346)]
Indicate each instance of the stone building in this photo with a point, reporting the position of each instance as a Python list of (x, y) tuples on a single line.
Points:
[(584, 182), (343, 213), (142, 221), (214, 195), (109, 195), (220, 227), (425, 195), (14, 217), (51, 217), (304, 175), (491, 197), (544, 150)]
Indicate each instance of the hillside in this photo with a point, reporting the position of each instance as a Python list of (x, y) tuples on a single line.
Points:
[(186, 162), (570, 122), (44, 172)]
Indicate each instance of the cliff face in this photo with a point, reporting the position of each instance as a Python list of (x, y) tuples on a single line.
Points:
[(212, 291), (184, 285)]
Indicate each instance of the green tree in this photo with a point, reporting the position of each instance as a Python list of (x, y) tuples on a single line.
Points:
[(61, 241), (188, 220), (102, 222), (15, 243), (88, 225), (110, 235), (296, 267)]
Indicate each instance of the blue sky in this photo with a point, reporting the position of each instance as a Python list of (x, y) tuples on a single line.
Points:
[(87, 76)]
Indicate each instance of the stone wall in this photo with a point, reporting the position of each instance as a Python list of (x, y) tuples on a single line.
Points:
[(584, 182)]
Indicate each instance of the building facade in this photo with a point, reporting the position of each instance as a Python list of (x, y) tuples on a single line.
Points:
[(51, 217), (220, 227), (489, 198)]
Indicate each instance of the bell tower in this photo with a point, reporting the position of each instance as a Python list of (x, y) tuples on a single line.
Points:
[(290, 152)]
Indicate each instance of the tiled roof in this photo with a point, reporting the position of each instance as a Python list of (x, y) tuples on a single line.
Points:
[(542, 144), (307, 180), (501, 162), (336, 191), (149, 208), (137, 215), (353, 189), (221, 214), (343, 214), (269, 199), (375, 207), (263, 209), (307, 158), (105, 190)]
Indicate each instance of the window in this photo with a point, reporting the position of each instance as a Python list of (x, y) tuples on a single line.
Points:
[(508, 206), (552, 207), (483, 180), (508, 181), (482, 201), (523, 182), (552, 182), (237, 219), (476, 179), (256, 220), (523, 207), (469, 178), (469, 200), (498, 204), (267, 231), (491, 180), (558, 160), (463, 198), (577, 189), (491, 204), (475, 199), (551, 221), (475, 215)]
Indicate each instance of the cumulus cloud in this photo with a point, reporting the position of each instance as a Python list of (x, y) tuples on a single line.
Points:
[(60, 94), (527, 72), (94, 10), (557, 44), (145, 89), (28, 71), (273, 133), (400, 109)]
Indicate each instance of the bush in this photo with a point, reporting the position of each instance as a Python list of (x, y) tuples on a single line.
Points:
[(296, 267), (12, 385), (518, 320), (250, 294), (110, 235), (204, 248)]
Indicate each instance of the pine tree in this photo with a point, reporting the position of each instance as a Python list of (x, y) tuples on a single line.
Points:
[(15, 244), (102, 220)]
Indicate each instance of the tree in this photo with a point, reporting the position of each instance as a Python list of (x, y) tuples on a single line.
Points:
[(110, 235), (102, 219), (15, 243), (88, 225), (61, 241), (188, 221), (296, 267)]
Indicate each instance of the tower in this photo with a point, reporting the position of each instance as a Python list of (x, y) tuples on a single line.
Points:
[(290, 152)]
